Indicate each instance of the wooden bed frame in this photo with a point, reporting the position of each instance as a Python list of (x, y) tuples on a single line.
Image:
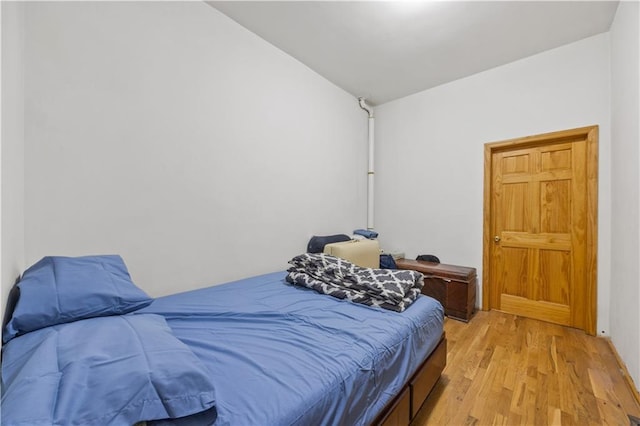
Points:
[(404, 407)]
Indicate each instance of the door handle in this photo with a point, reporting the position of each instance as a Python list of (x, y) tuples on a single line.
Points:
[(496, 239)]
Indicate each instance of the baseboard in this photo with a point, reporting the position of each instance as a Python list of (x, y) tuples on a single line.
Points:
[(625, 373)]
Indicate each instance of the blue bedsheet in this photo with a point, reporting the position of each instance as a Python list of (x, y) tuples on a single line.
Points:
[(284, 355), (113, 370)]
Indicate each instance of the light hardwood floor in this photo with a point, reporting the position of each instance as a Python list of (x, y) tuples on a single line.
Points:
[(508, 370)]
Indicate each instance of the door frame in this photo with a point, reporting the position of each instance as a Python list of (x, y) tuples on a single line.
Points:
[(590, 133)]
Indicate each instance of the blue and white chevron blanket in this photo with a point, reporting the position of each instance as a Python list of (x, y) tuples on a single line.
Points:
[(387, 288)]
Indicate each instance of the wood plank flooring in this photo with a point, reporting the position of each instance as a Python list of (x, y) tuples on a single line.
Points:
[(508, 370)]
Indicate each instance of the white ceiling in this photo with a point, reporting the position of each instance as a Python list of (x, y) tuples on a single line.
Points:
[(384, 50)]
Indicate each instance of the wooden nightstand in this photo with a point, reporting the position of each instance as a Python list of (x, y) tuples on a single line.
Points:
[(453, 286)]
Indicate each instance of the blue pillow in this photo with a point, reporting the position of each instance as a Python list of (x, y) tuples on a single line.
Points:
[(58, 290)]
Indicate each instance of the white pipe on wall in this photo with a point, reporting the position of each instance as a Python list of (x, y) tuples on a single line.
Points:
[(370, 171)]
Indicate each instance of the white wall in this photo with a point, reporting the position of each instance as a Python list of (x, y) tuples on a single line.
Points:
[(625, 180), (431, 145), (167, 133), (12, 148)]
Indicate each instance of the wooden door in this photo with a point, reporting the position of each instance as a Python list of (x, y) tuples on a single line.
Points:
[(540, 227)]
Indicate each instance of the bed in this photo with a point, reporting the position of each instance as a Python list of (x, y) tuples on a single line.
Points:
[(258, 351)]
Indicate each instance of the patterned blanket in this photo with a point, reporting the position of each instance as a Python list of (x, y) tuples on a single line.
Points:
[(386, 288)]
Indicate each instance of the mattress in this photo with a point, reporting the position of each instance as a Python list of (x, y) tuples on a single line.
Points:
[(284, 355)]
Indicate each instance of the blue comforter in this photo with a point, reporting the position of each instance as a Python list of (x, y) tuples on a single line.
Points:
[(286, 355), (114, 370), (276, 354)]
